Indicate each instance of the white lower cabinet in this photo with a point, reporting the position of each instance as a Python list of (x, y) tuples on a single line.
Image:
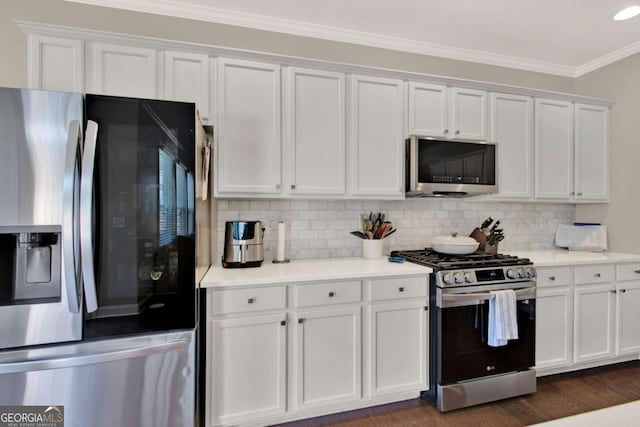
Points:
[(398, 346), (328, 356), (247, 359), (587, 316), (554, 327), (278, 353)]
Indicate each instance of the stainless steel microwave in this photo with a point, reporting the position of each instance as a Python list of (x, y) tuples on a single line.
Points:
[(450, 168)]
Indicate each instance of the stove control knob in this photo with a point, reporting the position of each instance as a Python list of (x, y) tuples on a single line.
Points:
[(511, 274), (531, 272), (459, 277), (521, 273), (468, 277), (447, 278)]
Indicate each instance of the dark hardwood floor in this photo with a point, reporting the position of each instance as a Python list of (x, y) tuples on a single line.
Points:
[(557, 396)]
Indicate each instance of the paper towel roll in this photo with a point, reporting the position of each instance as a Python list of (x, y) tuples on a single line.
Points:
[(280, 242)]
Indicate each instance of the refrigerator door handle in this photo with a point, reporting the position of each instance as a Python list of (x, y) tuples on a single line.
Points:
[(91, 359), (69, 217), (86, 230)]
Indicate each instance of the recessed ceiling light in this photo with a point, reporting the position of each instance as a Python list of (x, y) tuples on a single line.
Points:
[(627, 13)]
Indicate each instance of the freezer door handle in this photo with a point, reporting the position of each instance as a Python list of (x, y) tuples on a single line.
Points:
[(91, 359), (86, 230), (70, 217)]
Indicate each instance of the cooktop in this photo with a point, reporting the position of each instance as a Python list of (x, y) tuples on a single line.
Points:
[(436, 260)]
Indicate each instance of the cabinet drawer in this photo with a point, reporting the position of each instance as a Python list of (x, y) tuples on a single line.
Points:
[(327, 293), (248, 300), (628, 272), (595, 274), (398, 287), (554, 276)]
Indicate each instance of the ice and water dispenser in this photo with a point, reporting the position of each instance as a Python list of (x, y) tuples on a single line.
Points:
[(30, 264)]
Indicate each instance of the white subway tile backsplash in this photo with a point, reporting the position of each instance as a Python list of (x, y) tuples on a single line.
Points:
[(320, 228)]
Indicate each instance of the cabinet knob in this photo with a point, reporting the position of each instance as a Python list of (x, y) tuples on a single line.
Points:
[(552, 278), (597, 274), (283, 323), (293, 186), (426, 308), (401, 289), (579, 194), (300, 321), (331, 294), (446, 131), (623, 290), (251, 300), (457, 132)]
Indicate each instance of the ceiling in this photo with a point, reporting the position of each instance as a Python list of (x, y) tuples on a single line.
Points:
[(563, 37)]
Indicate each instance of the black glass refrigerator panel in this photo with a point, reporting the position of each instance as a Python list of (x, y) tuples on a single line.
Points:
[(463, 338), (144, 216)]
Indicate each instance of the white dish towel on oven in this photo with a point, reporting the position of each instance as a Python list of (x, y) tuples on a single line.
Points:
[(503, 318)]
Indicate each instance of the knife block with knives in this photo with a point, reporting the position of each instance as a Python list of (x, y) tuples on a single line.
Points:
[(488, 237)]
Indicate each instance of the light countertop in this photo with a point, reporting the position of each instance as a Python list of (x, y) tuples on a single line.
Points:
[(562, 257), (308, 271)]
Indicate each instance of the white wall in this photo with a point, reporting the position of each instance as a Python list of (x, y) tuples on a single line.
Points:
[(619, 81)]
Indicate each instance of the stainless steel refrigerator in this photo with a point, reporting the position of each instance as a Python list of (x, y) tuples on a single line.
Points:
[(98, 298)]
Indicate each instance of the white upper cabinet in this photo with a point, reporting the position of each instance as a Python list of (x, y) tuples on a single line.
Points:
[(468, 113), (376, 123), (122, 70), (314, 135), (55, 63), (512, 129), (249, 143), (554, 149), (591, 153), (449, 112), (186, 78), (428, 112)]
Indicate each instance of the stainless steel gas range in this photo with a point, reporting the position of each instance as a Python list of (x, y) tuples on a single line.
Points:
[(463, 369)]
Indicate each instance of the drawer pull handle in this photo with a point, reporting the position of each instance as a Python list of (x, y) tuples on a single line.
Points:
[(623, 290), (597, 274), (614, 291), (401, 289), (300, 321), (283, 323), (251, 300), (331, 294), (636, 271), (552, 278)]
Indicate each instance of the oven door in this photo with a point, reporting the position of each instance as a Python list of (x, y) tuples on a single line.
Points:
[(462, 334)]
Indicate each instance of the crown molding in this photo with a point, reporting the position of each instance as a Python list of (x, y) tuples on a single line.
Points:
[(607, 59), (211, 14)]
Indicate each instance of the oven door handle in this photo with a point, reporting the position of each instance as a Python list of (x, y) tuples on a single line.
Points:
[(451, 300)]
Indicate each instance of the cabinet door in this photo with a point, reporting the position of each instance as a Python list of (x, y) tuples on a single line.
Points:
[(398, 360), (328, 357), (247, 369), (554, 327), (315, 132), (428, 112), (249, 142), (593, 322), (468, 113), (554, 149), (186, 78), (376, 137), (628, 318), (123, 71), (55, 63), (591, 152), (512, 129)]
